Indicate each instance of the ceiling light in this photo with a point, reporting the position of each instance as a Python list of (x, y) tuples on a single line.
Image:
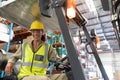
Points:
[(90, 5)]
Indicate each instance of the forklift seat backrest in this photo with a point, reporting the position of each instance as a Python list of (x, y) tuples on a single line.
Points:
[(3, 60)]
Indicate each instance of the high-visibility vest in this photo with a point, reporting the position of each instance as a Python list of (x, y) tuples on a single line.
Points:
[(34, 63)]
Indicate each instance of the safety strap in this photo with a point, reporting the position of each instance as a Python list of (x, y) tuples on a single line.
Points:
[(23, 50), (46, 53)]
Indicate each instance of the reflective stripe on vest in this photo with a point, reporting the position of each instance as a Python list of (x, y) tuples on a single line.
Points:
[(35, 64), (46, 53), (23, 51)]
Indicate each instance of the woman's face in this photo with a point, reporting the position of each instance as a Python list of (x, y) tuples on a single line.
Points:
[(37, 34)]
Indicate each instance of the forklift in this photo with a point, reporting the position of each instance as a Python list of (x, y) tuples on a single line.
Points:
[(65, 12)]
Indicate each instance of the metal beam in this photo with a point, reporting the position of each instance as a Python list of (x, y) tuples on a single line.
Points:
[(97, 23), (99, 16), (77, 71)]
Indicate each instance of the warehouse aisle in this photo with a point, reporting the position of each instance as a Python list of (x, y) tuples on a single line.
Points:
[(111, 64)]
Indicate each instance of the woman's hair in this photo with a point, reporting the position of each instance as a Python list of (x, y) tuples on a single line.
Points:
[(43, 38)]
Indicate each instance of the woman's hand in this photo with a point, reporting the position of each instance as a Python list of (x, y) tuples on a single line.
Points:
[(8, 68)]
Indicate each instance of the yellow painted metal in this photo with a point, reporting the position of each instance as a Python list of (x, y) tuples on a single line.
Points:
[(24, 12)]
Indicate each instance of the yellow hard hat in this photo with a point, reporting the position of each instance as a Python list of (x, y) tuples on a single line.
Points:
[(36, 25)]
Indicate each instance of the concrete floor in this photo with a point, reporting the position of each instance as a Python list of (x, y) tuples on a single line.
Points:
[(111, 63)]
